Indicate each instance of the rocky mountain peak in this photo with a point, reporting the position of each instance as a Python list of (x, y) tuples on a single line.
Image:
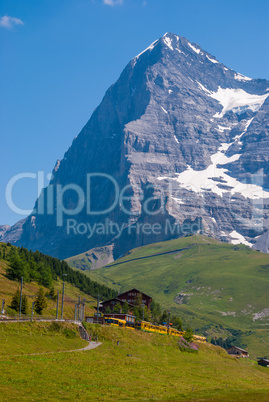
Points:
[(186, 140)]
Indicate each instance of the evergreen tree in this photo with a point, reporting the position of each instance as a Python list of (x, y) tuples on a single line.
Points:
[(188, 335), (155, 311), (41, 302), (15, 302), (164, 317), (177, 323), (24, 305), (17, 269), (125, 308), (117, 308), (138, 301)]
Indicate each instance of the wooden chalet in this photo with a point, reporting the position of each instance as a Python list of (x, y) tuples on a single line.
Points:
[(111, 305), (237, 352), (263, 362), (131, 296)]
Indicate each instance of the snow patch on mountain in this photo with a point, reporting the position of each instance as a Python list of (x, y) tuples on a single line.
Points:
[(150, 47), (216, 179), (221, 129), (237, 137), (233, 99), (241, 77), (168, 42), (204, 89), (237, 100), (195, 49), (237, 238), (212, 60)]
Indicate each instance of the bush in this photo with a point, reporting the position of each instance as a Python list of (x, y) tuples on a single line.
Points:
[(69, 333), (55, 327), (188, 335), (185, 346)]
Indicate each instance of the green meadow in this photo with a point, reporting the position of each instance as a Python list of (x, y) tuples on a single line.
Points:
[(213, 286), (129, 365)]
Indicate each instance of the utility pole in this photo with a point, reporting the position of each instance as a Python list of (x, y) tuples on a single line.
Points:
[(83, 310), (57, 306), (97, 309), (32, 312), (21, 297), (75, 318), (62, 312), (79, 313), (168, 324), (3, 305)]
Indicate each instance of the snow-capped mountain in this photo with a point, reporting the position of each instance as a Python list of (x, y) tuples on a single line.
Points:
[(188, 137)]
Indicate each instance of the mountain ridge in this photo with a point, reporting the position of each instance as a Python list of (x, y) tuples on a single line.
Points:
[(181, 131)]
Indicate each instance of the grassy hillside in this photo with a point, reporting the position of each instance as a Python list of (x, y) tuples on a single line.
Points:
[(211, 284), (24, 338), (8, 288), (142, 367)]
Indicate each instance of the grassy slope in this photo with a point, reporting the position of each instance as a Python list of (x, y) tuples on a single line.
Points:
[(8, 288), (156, 369), (38, 337), (223, 284)]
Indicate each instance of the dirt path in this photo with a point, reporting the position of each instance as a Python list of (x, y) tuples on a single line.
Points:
[(92, 345), (150, 256)]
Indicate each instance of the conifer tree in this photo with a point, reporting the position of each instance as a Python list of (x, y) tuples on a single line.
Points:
[(24, 305), (188, 335), (41, 302), (125, 308), (15, 302)]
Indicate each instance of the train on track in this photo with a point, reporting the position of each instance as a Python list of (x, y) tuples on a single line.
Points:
[(148, 327)]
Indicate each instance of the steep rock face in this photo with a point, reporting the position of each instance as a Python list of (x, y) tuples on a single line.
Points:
[(12, 234), (186, 137), (3, 230)]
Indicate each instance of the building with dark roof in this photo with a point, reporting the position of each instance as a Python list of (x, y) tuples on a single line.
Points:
[(110, 305), (237, 352), (132, 295), (263, 362)]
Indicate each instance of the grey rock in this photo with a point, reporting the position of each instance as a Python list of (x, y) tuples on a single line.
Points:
[(164, 116)]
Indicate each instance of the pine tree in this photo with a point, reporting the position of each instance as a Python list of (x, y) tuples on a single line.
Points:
[(17, 269), (164, 317), (15, 302), (24, 305), (117, 308), (41, 302), (125, 308), (188, 335), (177, 323)]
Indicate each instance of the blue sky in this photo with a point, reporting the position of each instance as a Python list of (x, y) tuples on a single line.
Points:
[(57, 59)]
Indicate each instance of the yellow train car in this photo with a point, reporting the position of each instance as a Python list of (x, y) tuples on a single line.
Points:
[(145, 326), (161, 329), (115, 322), (199, 338), (175, 332)]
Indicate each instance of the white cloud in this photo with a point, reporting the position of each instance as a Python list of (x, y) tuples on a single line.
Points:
[(9, 22), (112, 2)]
